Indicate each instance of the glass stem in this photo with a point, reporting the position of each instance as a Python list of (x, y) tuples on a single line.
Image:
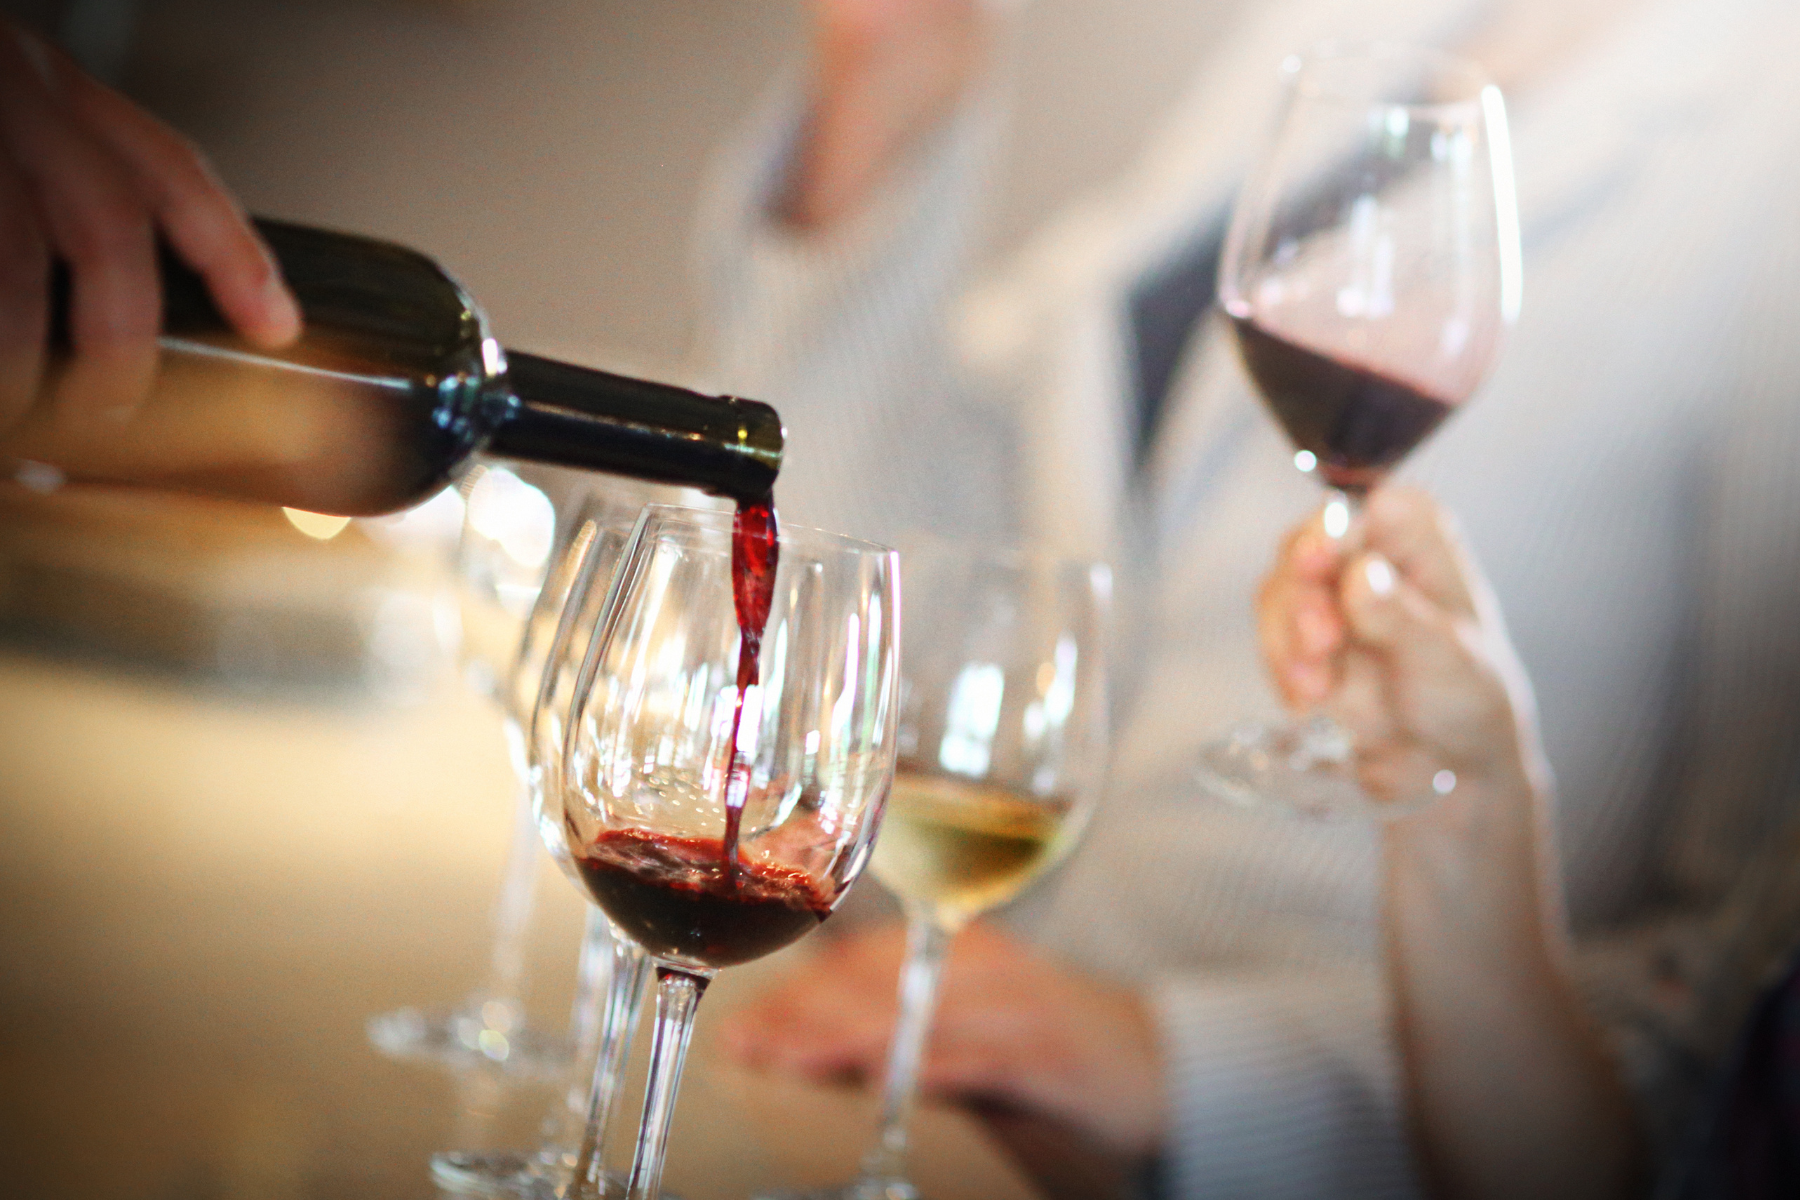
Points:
[(593, 974), (512, 914), (678, 995), (479, 1096), (616, 1024), (1319, 737), (927, 943), (1342, 511), (562, 1129)]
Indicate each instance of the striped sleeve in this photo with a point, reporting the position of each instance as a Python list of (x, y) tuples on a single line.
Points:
[(1282, 1087), (845, 333)]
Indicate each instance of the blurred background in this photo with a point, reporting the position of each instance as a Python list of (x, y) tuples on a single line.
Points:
[(551, 152), (246, 799)]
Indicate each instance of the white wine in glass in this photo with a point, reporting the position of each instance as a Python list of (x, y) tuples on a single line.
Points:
[(962, 846), (1002, 755)]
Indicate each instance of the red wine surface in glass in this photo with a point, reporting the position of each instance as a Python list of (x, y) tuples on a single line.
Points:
[(755, 553), (682, 900), (1356, 421)]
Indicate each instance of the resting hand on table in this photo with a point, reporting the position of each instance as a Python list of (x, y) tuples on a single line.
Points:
[(89, 178), (1011, 1025)]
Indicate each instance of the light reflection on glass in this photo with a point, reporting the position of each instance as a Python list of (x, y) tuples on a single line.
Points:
[(318, 526)]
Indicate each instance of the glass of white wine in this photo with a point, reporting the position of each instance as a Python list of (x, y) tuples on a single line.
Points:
[(1003, 734)]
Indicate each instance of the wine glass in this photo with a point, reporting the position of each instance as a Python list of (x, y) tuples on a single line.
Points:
[(508, 542), (611, 974), (1371, 269), (728, 755), (1003, 734)]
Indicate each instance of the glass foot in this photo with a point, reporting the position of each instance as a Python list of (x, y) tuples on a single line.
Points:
[(862, 1189), (489, 1036), (1303, 769), (516, 1175), (511, 1174), (492, 1173)]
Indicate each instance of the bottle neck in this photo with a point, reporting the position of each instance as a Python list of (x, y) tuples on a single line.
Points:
[(579, 417)]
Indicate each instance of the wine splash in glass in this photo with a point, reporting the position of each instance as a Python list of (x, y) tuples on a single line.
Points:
[(1370, 272)]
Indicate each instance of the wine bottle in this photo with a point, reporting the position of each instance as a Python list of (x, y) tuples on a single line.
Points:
[(395, 382)]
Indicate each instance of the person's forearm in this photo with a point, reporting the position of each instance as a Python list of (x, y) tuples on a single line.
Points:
[(1511, 1091)]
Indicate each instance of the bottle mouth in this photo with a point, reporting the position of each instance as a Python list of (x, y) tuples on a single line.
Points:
[(761, 439)]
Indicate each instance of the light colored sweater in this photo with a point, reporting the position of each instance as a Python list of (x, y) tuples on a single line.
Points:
[(1627, 477)]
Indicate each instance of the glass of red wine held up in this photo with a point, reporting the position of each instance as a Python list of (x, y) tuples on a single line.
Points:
[(729, 749), (1370, 272)]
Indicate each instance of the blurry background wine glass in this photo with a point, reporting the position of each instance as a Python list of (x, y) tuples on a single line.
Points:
[(1003, 736), (510, 536), (611, 973), (1371, 269), (718, 806)]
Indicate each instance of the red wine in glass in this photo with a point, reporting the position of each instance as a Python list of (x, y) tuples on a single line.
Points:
[(642, 764), (1356, 422), (681, 899)]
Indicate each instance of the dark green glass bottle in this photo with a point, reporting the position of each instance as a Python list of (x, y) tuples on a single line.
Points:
[(395, 383)]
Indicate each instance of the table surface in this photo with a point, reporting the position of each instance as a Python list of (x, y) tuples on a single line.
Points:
[(206, 895)]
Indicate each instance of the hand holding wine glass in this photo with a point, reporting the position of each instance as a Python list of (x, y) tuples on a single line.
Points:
[(1486, 1014), (1404, 633), (1371, 269), (729, 749)]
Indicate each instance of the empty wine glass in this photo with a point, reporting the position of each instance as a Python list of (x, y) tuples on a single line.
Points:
[(508, 542), (610, 976), (1371, 269), (1003, 737), (729, 751)]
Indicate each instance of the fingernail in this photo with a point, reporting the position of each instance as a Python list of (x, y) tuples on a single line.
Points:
[(41, 478), (1380, 574)]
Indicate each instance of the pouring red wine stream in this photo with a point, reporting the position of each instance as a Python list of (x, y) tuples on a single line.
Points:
[(755, 553)]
